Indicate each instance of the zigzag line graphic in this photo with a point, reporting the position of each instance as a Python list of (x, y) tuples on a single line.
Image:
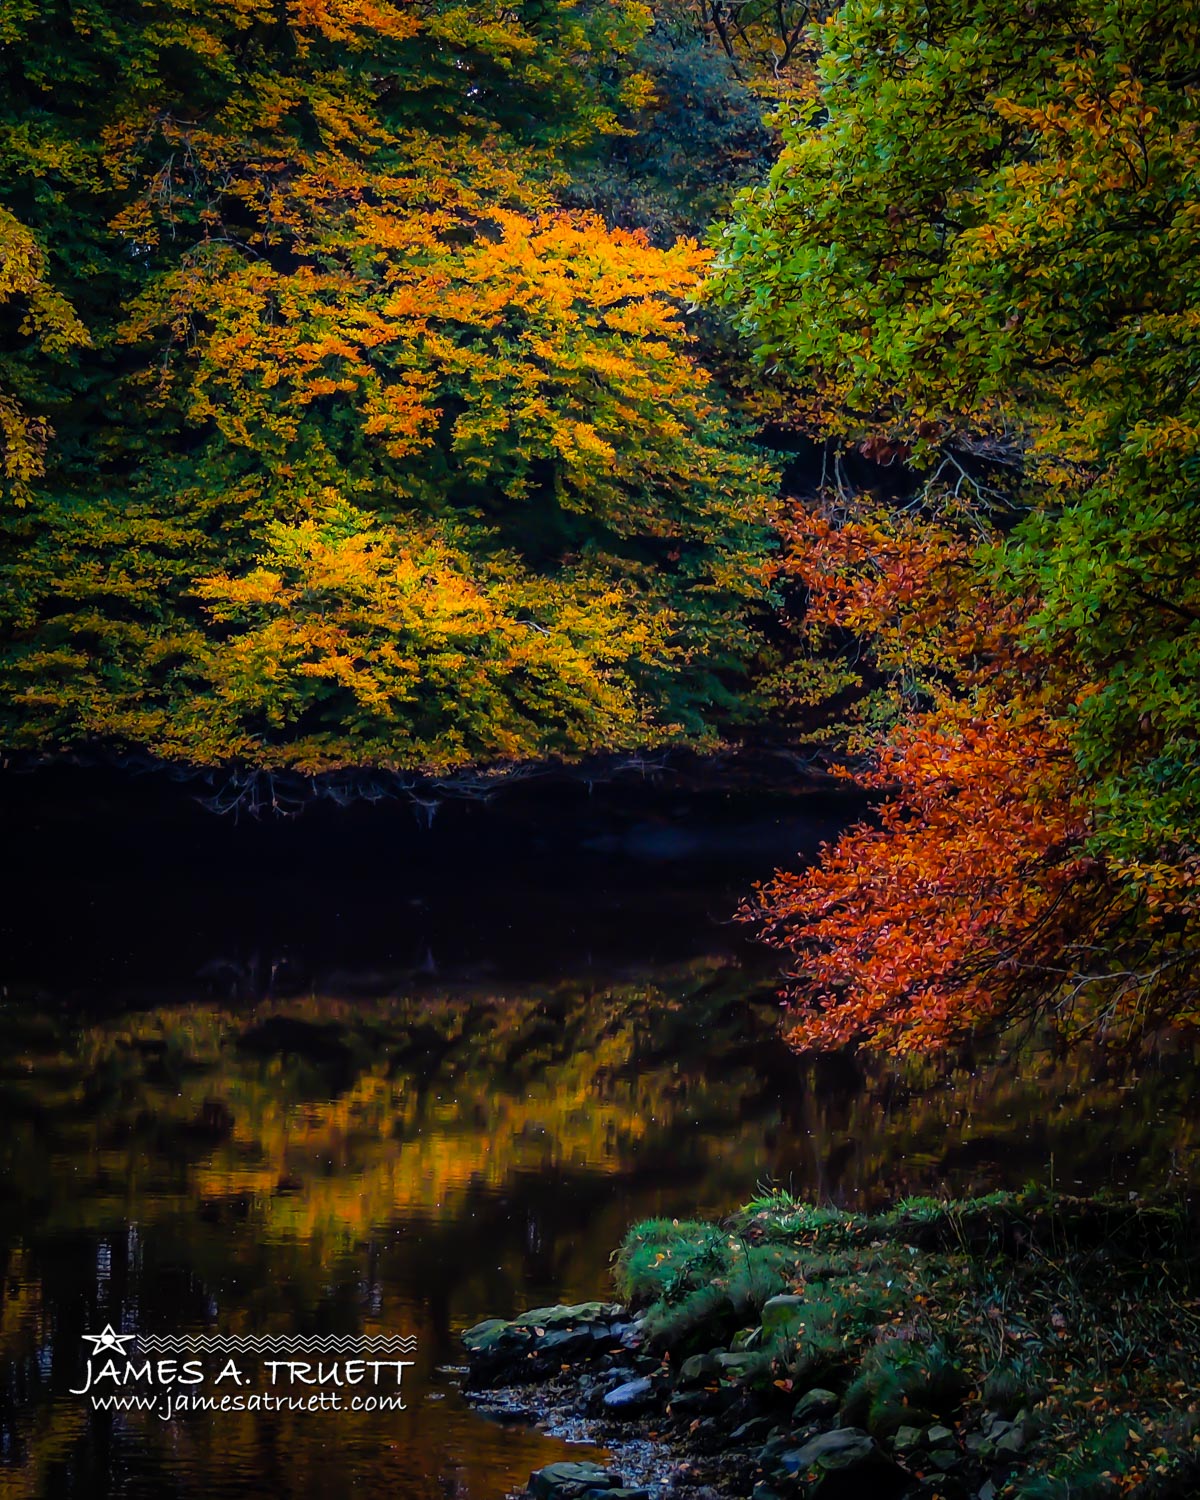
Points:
[(284, 1343)]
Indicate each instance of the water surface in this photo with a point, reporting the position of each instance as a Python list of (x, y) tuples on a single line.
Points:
[(371, 1083)]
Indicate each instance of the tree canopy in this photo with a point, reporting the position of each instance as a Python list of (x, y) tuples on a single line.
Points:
[(978, 252), (368, 399), (331, 438)]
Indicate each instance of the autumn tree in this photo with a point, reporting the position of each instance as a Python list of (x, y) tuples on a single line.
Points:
[(978, 253), (365, 452)]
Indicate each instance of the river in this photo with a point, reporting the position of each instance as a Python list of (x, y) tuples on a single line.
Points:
[(360, 1074)]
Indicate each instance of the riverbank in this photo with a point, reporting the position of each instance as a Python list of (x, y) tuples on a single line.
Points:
[(1025, 1345)]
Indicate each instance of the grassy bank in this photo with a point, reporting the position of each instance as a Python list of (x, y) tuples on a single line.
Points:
[(1026, 1345)]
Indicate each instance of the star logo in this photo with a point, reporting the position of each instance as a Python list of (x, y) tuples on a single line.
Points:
[(109, 1339)]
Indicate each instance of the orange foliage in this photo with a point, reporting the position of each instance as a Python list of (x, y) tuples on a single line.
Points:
[(931, 923), (932, 920), (978, 893)]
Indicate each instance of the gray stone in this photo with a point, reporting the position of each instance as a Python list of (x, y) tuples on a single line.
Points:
[(733, 1365), (842, 1448), (938, 1436), (815, 1403), (906, 1439), (567, 1314), (779, 1312), (699, 1368), (563, 1341), (566, 1481), (692, 1403), (485, 1335), (1011, 1441), (631, 1336), (631, 1395), (751, 1431), (945, 1459), (779, 1443)]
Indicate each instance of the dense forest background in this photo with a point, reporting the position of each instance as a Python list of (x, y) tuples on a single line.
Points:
[(433, 387)]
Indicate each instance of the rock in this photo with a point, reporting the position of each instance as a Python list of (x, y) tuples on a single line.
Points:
[(1012, 1441), (566, 1315), (693, 1403), (945, 1459), (568, 1481), (779, 1442), (816, 1403), (989, 1490), (734, 1365), (707, 1435), (938, 1437), (630, 1336), (538, 1341), (699, 1369), (779, 1312), (485, 1335), (507, 1411), (752, 1431), (846, 1464), (906, 1439), (631, 1395), (842, 1448), (746, 1338), (564, 1342)]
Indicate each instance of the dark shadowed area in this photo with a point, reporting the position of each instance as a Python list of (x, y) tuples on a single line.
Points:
[(367, 1071)]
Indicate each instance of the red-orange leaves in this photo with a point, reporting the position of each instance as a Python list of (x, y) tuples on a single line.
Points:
[(919, 928), (895, 615), (938, 916), (978, 893)]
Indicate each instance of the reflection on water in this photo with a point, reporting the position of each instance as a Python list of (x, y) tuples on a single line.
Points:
[(263, 1147)]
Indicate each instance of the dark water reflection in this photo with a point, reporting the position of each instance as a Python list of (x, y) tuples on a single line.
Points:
[(213, 1130)]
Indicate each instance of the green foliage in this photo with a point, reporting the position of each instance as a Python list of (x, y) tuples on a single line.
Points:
[(1076, 1317), (988, 228), (702, 1284), (1006, 1390), (690, 146), (978, 251), (903, 1382)]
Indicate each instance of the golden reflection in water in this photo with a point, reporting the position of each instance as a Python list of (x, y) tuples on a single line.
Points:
[(414, 1162)]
